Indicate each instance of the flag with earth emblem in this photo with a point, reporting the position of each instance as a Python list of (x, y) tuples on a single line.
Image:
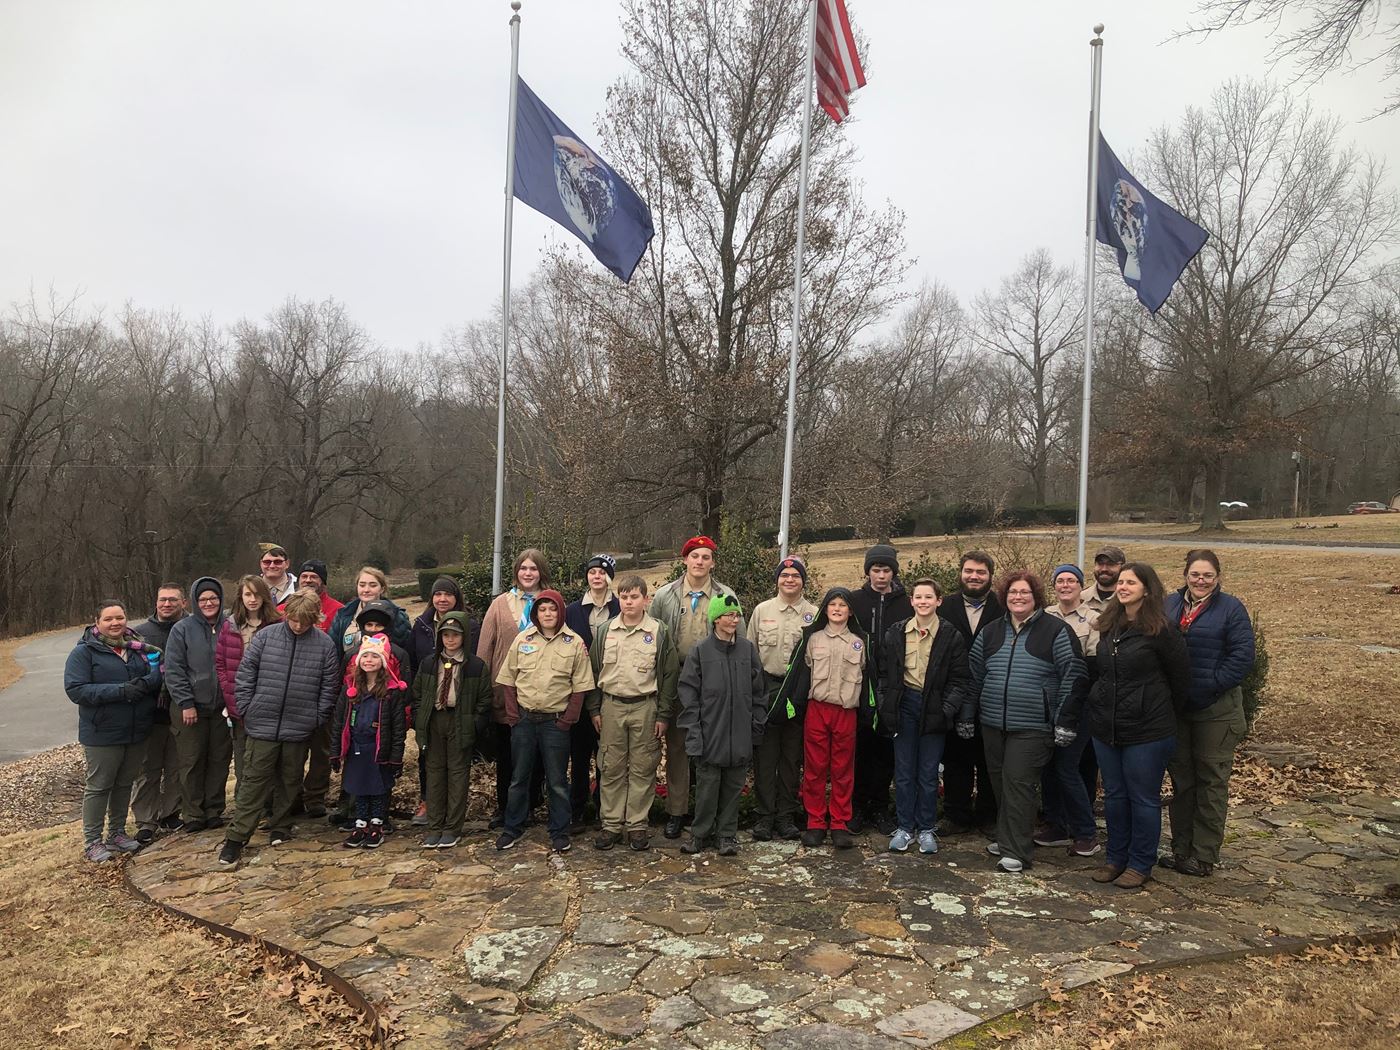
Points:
[(558, 175)]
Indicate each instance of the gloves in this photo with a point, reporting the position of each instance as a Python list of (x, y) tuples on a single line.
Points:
[(133, 690), (1064, 737), (967, 730)]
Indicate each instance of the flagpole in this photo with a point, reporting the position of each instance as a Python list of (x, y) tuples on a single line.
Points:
[(496, 552), (1095, 80), (785, 518)]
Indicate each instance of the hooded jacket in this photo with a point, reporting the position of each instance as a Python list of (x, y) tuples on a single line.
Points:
[(790, 701), (946, 682), (722, 693), (424, 638), (189, 656), (400, 630), (876, 612), (391, 729), (156, 631), (1026, 680), (1143, 686), (1220, 642), (95, 678), (473, 710), (287, 683)]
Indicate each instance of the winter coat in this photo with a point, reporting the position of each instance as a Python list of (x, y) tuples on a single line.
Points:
[(228, 654), (946, 682), (1144, 683), (95, 678), (499, 629), (1220, 643), (666, 603), (1026, 680), (722, 691), (954, 611), (473, 709), (189, 658), (576, 618), (287, 683), (876, 612), (389, 733), (400, 631), (790, 701), (424, 640), (156, 631)]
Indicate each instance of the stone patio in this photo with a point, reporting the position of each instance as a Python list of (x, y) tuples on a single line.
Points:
[(779, 947)]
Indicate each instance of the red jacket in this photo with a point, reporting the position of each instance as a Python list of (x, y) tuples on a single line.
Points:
[(329, 607)]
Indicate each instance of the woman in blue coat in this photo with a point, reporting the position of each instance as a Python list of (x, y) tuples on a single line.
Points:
[(1220, 642), (113, 675)]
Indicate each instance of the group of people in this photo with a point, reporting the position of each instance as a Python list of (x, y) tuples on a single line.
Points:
[(1014, 699)]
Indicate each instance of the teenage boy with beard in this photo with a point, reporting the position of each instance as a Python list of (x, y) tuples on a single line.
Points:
[(968, 801), (880, 603), (1108, 563)]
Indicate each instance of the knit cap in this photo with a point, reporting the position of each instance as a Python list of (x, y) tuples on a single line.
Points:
[(1078, 575), (792, 561), (724, 603), (606, 562), (318, 567), (882, 554)]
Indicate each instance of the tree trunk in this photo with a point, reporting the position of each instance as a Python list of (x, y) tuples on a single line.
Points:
[(1212, 520)]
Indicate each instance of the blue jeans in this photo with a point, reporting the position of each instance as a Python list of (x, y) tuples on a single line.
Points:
[(916, 759), (550, 743), (1132, 800), (1067, 801)]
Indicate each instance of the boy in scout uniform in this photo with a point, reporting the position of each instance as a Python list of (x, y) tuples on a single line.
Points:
[(635, 665), (830, 679), (775, 627), (683, 606), (545, 678)]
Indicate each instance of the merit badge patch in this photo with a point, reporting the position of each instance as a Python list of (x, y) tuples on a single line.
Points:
[(855, 646), (806, 617), (646, 639), (568, 638)]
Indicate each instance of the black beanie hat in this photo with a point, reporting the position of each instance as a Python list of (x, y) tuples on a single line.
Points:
[(606, 562), (792, 561), (318, 567), (882, 554)]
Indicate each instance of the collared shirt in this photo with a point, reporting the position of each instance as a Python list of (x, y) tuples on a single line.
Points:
[(520, 602), (837, 659), (974, 613), (1090, 597), (1085, 623), (447, 665), (282, 593), (598, 613), (775, 627), (629, 658), (918, 646), (694, 624), (545, 671)]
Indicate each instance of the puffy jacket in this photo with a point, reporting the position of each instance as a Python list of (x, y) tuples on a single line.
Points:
[(1027, 679), (1220, 643), (228, 654), (400, 631), (1144, 683), (473, 709), (95, 678), (156, 631), (287, 683), (946, 682), (189, 657), (390, 731), (722, 692)]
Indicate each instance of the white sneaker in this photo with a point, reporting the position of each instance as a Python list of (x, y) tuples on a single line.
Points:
[(928, 842), (994, 849), (901, 841), (1009, 864)]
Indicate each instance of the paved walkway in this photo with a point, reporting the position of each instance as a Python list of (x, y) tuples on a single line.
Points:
[(34, 713), (777, 948)]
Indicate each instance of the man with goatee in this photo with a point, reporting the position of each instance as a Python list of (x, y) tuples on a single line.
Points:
[(1108, 563)]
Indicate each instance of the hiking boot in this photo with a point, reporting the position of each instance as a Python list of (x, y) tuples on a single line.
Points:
[(506, 840), (857, 822), (763, 830), (883, 822), (1192, 866), (420, 815), (639, 840), (813, 837), (728, 848), (122, 842), (145, 836), (498, 821), (216, 822), (692, 846), (316, 810), (928, 842), (375, 838), (276, 838), (561, 844), (1085, 847), (172, 823), (1106, 873), (194, 827), (230, 852), (786, 830), (1051, 835), (606, 840), (841, 838), (356, 840), (1131, 880), (1010, 864), (97, 851), (674, 826), (901, 840), (432, 842)]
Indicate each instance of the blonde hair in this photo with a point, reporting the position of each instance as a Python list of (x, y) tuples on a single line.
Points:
[(303, 607), (378, 574), (537, 556)]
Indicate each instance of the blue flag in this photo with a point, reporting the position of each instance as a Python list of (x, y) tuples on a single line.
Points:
[(559, 176), (1154, 241)]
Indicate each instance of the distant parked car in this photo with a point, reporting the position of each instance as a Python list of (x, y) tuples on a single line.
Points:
[(1371, 507)]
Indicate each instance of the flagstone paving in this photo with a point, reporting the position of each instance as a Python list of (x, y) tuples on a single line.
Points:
[(778, 947)]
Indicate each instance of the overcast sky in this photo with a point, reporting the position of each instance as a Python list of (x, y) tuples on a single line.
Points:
[(218, 157)]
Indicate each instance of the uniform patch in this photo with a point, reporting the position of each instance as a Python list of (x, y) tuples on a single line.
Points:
[(806, 617), (527, 648), (568, 638), (646, 639), (855, 646)]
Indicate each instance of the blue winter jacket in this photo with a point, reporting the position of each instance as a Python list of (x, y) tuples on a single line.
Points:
[(95, 677), (1026, 680), (1220, 643)]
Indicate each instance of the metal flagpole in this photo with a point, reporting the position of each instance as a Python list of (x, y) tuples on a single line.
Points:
[(1095, 79), (786, 517), (496, 552)]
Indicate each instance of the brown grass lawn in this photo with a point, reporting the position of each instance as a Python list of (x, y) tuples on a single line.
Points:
[(1326, 528)]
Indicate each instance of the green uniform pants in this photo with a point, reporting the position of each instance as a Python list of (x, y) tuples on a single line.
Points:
[(717, 790), (267, 764), (628, 754), (448, 767), (1200, 771), (110, 770), (203, 751), (155, 796), (777, 769), (317, 781), (1015, 759)]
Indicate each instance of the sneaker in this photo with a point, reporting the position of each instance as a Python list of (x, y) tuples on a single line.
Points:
[(728, 848), (813, 837), (786, 830), (901, 841), (1051, 835), (339, 820), (856, 824), (375, 838), (994, 849), (145, 836), (97, 851), (561, 844), (883, 822), (506, 840), (172, 823), (1010, 864), (122, 842), (432, 842), (763, 830), (606, 840), (194, 827), (498, 821), (356, 840), (841, 838), (928, 842), (1085, 847), (420, 815), (276, 838), (231, 852), (692, 846), (316, 811), (639, 840), (447, 840)]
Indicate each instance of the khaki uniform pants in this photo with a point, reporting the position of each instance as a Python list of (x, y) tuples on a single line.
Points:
[(628, 753), (156, 794), (1200, 771)]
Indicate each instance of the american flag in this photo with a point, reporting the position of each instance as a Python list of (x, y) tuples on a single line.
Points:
[(838, 65)]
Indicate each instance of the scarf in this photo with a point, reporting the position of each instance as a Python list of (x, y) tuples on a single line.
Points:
[(1189, 612), (130, 641), (529, 604)]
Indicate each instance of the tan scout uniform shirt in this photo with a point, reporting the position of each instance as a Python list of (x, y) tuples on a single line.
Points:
[(545, 671), (694, 626), (447, 665), (837, 660), (918, 645), (597, 614), (629, 658), (1090, 597), (1085, 623), (775, 627)]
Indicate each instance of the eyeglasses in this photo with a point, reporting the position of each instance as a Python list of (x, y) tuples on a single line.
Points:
[(1201, 577), (1018, 594), (274, 561)]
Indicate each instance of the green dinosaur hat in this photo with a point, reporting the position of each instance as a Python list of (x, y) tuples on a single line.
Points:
[(724, 603)]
